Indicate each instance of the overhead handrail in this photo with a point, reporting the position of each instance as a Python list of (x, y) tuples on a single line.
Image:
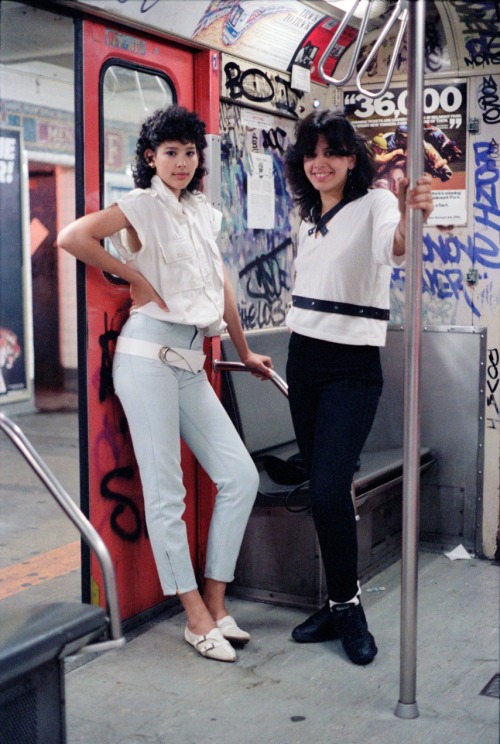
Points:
[(401, 9), (220, 366), (86, 529), (335, 38)]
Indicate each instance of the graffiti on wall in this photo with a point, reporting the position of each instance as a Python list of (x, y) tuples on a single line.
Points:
[(252, 85), (460, 267), (480, 28), (260, 261), (489, 100), (461, 255), (460, 263), (119, 480), (493, 390)]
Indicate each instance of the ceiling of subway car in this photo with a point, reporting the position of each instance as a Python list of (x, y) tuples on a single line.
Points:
[(32, 39), (48, 38)]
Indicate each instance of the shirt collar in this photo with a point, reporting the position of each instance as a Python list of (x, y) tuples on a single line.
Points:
[(167, 197)]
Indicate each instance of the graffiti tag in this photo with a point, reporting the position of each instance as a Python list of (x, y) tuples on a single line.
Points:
[(488, 101), (493, 421)]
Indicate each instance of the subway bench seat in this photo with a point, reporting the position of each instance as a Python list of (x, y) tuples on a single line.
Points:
[(280, 558), (33, 644), (34, 641)]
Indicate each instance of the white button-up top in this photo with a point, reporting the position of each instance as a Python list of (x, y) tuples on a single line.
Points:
[(178, 254), (352, 263)]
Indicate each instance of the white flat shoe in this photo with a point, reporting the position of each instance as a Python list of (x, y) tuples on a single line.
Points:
[(213, 645), (231, 631)]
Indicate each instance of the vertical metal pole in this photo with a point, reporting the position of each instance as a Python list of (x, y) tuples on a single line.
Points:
[(407, 705)]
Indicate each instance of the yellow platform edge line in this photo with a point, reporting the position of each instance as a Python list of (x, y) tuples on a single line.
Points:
[(40, 568)]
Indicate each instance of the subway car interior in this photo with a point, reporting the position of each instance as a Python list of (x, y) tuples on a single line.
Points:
[(91, 649)]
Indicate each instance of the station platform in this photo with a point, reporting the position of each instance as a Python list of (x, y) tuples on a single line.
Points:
[(158, 690)]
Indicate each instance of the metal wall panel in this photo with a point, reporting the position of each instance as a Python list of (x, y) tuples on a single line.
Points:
[(451, 425)]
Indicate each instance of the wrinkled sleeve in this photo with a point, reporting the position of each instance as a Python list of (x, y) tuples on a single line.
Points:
[(132, 206), (385, 217)]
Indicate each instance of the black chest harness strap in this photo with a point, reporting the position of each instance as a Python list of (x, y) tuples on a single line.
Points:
[(342, 308), (320, 226)]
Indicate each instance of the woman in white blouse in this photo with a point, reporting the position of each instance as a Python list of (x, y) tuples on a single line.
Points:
[(165, 231), (350, 238)]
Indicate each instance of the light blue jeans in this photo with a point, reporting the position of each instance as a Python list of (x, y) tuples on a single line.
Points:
[(163, 403)]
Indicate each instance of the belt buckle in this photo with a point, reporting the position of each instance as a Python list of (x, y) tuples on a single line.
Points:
[(162, 354)]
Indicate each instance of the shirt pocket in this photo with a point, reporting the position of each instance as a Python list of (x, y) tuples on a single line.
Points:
[(180, 270)]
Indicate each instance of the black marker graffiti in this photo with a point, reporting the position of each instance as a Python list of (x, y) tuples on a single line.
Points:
[(253, 84), (105, 377), (107, 341), (493, 421), (489, 101), (256, 86), (267, 278), (262, 314), (125, 504), (433, 46), (271, 137), (480, 21), (145, 4)]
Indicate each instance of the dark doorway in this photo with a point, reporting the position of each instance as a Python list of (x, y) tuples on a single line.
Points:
[(43, 229)]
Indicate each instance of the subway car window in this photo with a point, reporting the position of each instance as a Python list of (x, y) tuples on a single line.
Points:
[(129, 96)]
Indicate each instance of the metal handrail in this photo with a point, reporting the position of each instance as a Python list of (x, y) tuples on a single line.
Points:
[(401, 9), (274, 377), (86, 529), (220, 366), (333, 41)]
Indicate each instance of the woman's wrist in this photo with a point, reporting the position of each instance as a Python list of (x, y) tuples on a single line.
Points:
[(401, 233)]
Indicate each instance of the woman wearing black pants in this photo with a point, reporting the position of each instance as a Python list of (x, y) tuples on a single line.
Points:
[(350, 238)]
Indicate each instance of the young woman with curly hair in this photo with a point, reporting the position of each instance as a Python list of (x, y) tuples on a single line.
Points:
[(165, 230), (350, 238)]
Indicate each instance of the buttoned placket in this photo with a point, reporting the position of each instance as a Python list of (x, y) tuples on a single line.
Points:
[(188, 226)]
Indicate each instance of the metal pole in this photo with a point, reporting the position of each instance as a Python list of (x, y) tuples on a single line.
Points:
[(407, 705)]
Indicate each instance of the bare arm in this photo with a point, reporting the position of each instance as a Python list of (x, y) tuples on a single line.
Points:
[(419, 197), (82, 239), (235, 330)]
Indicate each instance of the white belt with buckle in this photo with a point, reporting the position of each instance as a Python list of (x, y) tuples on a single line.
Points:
[(189, 359)]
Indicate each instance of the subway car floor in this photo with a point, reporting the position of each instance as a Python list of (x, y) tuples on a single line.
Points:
[(156, 689)]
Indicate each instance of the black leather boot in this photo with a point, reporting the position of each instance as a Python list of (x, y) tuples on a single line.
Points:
[(319, 627), (352, 629)]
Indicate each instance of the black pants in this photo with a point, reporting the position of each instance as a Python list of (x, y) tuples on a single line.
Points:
[(333, 391)]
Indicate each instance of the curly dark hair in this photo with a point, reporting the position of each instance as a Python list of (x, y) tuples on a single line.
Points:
[(343, 140), (175, 124)]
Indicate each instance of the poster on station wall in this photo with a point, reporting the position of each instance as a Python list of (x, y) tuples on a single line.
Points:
[(13, 346), (383, 122)]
